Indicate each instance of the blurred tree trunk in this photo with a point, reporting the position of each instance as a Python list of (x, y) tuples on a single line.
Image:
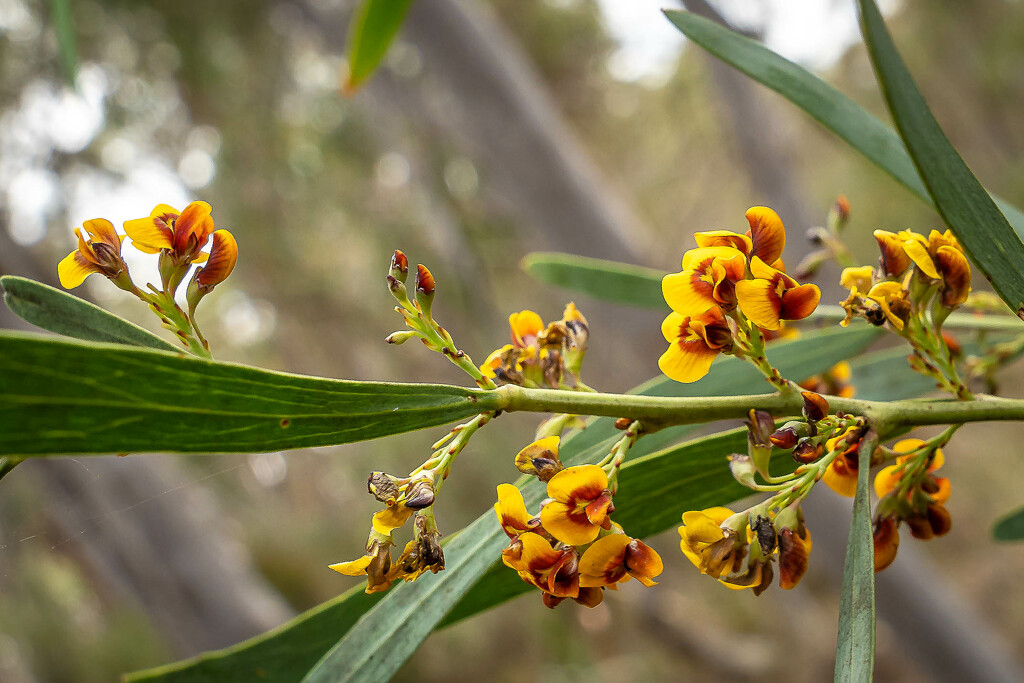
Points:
[(149, 531)]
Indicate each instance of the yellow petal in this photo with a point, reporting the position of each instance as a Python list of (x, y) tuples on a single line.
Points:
[(511, 509), (103, 230), (671, 327), (687, 293), (857, 278), (604, 554), (353, 568), (723, 238), (841, 484), (557, 520), (524, 323), (73, 269), (918, 253), (687, 364), (389, 519), (149, 235), (582, 482), (694, 257), (759, 302), (886, 480)]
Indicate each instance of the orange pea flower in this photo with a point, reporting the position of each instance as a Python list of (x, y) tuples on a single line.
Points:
[(101, 253), (181, 233), (841, 473), (708, 279), (940, 257), (894, 259), (694, 341), (773, 296), (580, 505), (616, 558)]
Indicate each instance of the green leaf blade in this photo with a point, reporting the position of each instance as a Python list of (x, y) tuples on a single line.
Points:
[(619, 283), (962, 202), (1010, 527), (65, 397), (57, 311), (863, 131), (373, 28), (855, 644)]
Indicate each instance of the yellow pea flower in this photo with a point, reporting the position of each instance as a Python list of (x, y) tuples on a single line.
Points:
[(773, 296), (694, 341), (512, 513), (101, 253), (708, 279), (182, 234), (580, 505), (616, 558)]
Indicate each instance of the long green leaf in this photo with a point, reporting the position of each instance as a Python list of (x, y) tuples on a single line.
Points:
[(619, 283), (855, 645), (51, 309), (66, 397), (1010, 527), (64, 27), (374, 25), (962, 202), (285, 654), (863, 131)]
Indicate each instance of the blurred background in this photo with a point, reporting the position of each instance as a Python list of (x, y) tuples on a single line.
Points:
[(496, 128)]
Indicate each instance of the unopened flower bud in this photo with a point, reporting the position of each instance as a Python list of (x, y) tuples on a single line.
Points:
[(399, 337), (815, 406), (842, 207), (816, 236), (743, 469), (420, 495), (623, 423), (399, 266), (425, 287), (886, 540), (807, 450), (786, 436)]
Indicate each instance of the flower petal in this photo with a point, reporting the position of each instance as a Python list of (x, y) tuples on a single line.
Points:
[(687, 362), (511, 510), (760, 302), (724, 238), (687, 292), (523, 324), (956, 275), (918, 253), (102, 230), (150, 235), (559, 520), (391, 518), (767, 233), (799, 302), (223, 256), (582, 482), (73, 269), (194, 220), (353, 568)]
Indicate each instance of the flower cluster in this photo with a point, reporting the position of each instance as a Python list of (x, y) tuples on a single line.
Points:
[(732, 287), (571, 549), (909, 492), (541, 355), (918, 282), (179, 238), (405, 498), (740, 548)]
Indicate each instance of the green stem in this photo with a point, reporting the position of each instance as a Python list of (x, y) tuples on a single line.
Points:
[(657, 412)]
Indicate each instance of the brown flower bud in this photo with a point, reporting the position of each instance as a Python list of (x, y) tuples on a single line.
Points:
[(939, 519), (807, 450), (760, 426), (589, 596), (424, 280), (815, 406), (399, 266), (420, 495), (623, 423), (788, 434)]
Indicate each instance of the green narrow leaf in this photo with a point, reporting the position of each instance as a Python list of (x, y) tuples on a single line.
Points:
[(285, 654), (960, 199), (62, 397), (373, 27), (1010, 527), (64, 27), (619, 283), (855, 644), (51, 309), (863, 131)]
